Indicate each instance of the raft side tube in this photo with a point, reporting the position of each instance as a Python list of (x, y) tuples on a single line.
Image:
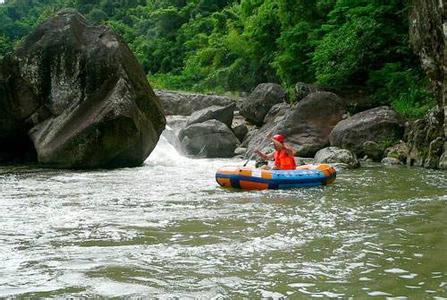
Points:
[(258, 179)]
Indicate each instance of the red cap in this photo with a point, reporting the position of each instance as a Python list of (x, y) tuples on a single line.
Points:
[(279, 137)]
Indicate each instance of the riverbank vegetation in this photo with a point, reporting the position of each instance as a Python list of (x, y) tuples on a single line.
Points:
[(231, 45)]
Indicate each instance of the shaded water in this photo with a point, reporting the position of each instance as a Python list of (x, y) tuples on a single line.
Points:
[(167, 229)]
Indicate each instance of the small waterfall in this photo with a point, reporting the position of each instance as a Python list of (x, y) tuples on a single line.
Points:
[(167, 152)]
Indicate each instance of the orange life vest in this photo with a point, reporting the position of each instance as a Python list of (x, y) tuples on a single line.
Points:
[(284, 161)]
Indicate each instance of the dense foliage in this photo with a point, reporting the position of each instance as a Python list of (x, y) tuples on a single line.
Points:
[(232, 45)]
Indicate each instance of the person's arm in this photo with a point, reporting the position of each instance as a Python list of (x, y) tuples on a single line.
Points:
[(264, 156)]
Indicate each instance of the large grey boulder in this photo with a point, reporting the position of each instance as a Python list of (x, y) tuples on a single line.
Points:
[(181, 103), (306, 125), (221, 113), (79, 94), (310, 122), (208, 139), (257, 105), (380, 125), (337, 155)]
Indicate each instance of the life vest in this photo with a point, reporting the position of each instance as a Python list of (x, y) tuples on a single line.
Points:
[(284, 161)]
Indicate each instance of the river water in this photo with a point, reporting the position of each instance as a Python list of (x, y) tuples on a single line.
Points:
[(167, 230)]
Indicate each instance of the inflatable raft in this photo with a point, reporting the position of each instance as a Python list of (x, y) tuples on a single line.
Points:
[(258, 179)]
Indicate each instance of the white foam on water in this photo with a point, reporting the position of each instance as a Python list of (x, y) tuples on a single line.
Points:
[(165, 154), (396, 271)]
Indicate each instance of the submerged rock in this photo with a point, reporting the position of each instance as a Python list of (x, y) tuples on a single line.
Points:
[(260, 101), (208, 139), (81, 97), (380, 125), (337, 155)]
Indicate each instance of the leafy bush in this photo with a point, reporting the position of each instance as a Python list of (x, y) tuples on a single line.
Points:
[(233, 45), (406, 90)]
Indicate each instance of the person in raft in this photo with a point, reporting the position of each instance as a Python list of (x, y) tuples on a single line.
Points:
[(284, 155)]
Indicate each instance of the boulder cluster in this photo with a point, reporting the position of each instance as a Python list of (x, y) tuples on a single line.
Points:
[(318, 125)]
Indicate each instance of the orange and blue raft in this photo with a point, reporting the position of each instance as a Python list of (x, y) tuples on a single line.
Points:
[(258, 179)]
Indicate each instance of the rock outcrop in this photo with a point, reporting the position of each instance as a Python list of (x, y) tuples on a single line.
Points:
[(208, 139), (337, 155), (180, 103), (224, 114), (425, 140), (74, 96), (428, 36), (260, 101), (380, 125)]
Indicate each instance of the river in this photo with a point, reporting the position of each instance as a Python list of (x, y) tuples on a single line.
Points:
[(167, 230)]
